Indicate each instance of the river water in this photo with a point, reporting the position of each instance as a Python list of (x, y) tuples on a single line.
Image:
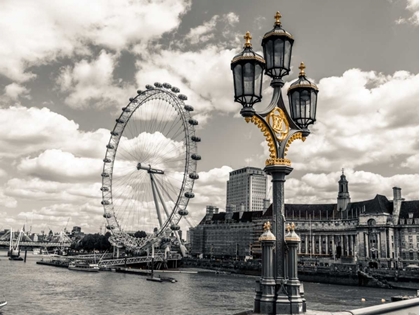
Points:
[(37, 289)]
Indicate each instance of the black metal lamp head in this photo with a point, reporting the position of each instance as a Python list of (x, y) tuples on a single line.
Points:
[(247, 68), (303, 96), (277, 45)]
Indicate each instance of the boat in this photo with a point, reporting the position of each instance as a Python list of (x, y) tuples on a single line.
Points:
[(3, 303), (158, 278), (16, 258), (81, 265)]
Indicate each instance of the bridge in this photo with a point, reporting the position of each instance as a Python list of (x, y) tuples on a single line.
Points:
[(35, 244), (109, 261)]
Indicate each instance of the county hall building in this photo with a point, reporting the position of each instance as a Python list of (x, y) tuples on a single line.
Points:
[(378, 232)]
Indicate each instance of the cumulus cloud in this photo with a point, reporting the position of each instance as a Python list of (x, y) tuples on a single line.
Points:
[(413, 8), (361, 121), (38, 33), (42, 129), (207, 84), (43, 190), (56, 165), (93, 83), (13, 91), (363, 185)]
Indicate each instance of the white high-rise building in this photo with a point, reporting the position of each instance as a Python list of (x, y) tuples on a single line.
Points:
[(246, 190)]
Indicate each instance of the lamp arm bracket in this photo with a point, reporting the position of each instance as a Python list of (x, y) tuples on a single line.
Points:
[(270, 137), (281, 105), (274, 101), (292, 136)]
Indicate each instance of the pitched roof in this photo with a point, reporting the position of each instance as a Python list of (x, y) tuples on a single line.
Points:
[(379, 204), (409, 207)]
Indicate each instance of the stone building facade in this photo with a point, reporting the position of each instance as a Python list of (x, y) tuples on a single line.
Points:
[(376, 232)]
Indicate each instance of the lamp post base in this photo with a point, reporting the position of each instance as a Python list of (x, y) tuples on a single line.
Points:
[(282, 299)]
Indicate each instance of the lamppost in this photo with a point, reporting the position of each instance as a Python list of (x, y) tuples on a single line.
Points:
[(279, 126)]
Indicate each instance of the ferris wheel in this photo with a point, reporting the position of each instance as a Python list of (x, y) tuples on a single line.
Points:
[(149, 167)]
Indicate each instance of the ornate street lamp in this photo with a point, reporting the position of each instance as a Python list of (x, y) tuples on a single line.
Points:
[(280, 129), (247, 68)]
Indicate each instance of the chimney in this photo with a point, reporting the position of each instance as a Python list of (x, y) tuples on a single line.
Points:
[(397, 193)]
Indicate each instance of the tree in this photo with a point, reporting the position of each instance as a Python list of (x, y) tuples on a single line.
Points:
[(140, 234)]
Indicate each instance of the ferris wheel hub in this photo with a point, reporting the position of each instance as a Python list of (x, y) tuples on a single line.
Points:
[(149, 169)]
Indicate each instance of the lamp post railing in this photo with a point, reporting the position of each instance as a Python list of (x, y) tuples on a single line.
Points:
[(279, 126)]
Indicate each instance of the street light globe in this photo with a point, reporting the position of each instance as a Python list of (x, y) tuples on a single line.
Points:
[(277, 46), (303, 96), (247, 68)]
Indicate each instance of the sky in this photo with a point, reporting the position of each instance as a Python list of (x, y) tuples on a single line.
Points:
[(68, 67)]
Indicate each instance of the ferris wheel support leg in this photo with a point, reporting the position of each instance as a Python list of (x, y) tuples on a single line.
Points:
[(154, 188), (160, 197)]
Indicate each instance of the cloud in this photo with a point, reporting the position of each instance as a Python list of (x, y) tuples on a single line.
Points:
[(93, 83), (43, 32), (13, 91), (413, 8), (361, 121), (41, 129), (202, 33), (7, 201), (207, 84), (56, 165), (363, 185), (43, 190)]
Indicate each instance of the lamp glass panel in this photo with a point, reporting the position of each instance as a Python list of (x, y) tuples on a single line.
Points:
[(294, 104), (305, 104), (258, 80), (278, 53), (238, 80), (268, 53), (287, 53), (248, 74), (313, 104)]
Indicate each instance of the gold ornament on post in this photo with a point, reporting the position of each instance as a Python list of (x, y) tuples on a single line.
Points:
[(302, 69), (248, 38), (267, 226), (277, 17), (278, 122)]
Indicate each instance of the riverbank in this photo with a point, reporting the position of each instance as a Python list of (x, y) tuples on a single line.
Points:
[(344, 274)]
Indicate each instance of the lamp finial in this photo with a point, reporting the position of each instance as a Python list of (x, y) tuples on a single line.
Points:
[(288, 227), (277, 17), (302, 69), (267, 226), (248, 38)]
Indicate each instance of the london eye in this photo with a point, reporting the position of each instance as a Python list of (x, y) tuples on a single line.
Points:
[(150, 167)]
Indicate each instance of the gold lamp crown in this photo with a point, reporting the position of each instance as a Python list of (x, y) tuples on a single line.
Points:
[(267, 226), (302, 69), (277, 17), (248, 38)]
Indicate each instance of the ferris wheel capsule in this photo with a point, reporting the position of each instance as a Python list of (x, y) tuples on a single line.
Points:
[(167, 85), (175, 227)]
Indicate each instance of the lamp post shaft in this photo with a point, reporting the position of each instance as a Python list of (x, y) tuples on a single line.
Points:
[(278, 173)]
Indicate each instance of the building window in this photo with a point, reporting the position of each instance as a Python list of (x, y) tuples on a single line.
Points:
[(371, 222)]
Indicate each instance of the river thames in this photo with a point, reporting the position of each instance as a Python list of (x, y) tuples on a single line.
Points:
[(37, 289)]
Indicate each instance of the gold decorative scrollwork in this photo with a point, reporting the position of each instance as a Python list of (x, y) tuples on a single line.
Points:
[(268, 137), (296, 136), (278, 122), (267, 226), (278, 161)]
